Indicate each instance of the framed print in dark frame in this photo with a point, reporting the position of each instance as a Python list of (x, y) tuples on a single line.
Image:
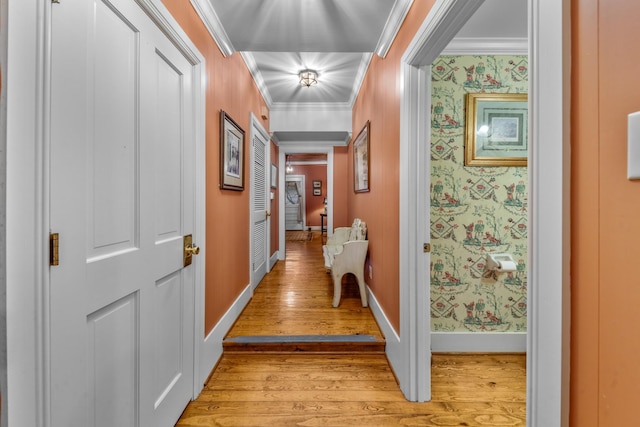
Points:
[(231, 154), (361, 161)]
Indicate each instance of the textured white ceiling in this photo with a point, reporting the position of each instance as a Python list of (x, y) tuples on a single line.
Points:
[(337, 73), (336, 38), (303, 25)]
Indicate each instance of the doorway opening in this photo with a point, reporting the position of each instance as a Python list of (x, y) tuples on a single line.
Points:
[(306, 177), (547, 329)]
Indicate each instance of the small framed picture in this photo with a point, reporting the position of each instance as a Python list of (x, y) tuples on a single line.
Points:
[(361, 160), (317, 192), (317, 184), (231, 154)]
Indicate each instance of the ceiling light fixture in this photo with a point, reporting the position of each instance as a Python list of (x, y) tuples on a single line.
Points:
[(308, 78), (289, 167)]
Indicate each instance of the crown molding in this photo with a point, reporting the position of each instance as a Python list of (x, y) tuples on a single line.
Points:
[(311, 106), (250, 61), (398, 13), (357, 83), (311, 146), (214, 26), (487, 46)]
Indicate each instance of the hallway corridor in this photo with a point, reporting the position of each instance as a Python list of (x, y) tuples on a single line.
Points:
[(339, 382), (294, 300)]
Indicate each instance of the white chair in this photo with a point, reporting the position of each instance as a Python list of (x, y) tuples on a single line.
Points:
[(345, 252)]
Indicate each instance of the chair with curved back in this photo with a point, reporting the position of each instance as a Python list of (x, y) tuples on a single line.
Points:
[(345, 252)]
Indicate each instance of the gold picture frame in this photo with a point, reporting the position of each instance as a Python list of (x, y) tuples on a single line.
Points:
[(497, 129)]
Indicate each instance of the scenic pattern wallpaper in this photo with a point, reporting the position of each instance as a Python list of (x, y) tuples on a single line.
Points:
[(475, 210)]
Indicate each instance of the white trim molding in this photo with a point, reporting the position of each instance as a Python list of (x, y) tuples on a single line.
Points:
[(301, 149), (487, 46), (393, 347), (412, 366), (212, 343), (26, 77), (210, 19), (548, 314), (392, 26), (357, 83), (479, 342), (251, 64)]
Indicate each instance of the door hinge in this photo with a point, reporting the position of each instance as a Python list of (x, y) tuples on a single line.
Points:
[(53, 249), (426, 247)]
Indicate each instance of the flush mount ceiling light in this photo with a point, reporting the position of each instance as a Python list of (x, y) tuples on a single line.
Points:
[(308, 78)]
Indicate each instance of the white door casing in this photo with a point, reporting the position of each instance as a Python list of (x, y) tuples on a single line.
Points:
[(295, 217), (122, 196), (549, 244), (300, 148), (260, 212)]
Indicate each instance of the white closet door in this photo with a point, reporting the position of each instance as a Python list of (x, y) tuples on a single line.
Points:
[(122, 198), (259, 205)]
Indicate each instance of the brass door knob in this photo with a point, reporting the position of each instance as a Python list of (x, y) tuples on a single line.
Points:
[(193, 249), (267, 213)]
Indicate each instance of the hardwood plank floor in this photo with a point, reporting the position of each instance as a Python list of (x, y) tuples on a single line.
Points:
[(315, 386), (295, 299)]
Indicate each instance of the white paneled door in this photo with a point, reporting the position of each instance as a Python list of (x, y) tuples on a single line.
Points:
[(260, 203), (122, 198)]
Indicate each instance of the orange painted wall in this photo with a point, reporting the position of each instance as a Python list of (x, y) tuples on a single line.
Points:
[(342, 187), (230, 87), (379, 102), (274, 203), (605, 347)]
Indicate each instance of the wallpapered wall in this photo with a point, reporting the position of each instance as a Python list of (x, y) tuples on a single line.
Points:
[(474, 210)]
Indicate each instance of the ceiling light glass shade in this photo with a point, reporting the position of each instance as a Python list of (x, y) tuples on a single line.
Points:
[(308, 78)]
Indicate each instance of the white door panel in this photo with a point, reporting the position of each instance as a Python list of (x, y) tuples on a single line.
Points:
[(122, 197)]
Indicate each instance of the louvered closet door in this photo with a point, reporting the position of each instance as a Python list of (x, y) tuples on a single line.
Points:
[(260, 206)]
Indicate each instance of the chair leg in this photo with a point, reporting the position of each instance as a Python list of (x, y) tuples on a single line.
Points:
[(337, 288), (363, 290)]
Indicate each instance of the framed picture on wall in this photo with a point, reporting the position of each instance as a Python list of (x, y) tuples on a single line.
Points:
[(497, 129), (317, 192), (361, 160), (317, 184), (231, 154)]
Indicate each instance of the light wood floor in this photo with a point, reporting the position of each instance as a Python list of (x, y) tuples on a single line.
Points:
[(305, 387)]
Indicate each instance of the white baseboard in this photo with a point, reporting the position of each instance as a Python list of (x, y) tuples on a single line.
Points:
[(211, 348), (488, 342), (274, 258), (392, 349), (483, 342)]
